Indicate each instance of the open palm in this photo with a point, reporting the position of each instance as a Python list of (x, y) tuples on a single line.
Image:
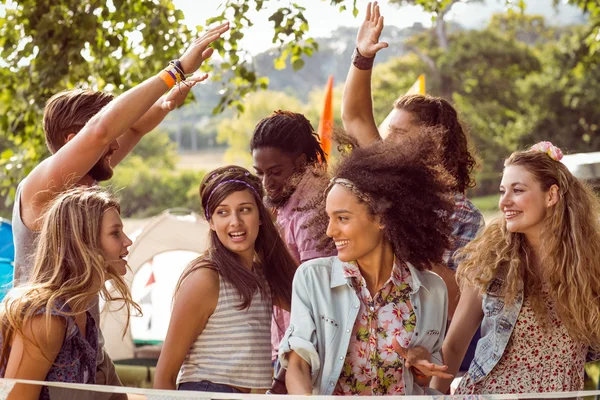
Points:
[(367, 41)]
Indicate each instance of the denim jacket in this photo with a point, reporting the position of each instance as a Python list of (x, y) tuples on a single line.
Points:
[(325, 307), (497, 326)]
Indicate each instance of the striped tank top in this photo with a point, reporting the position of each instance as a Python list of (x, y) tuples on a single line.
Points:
[(235, 346)]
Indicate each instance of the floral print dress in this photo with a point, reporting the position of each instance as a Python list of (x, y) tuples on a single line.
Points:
[(537, 359), (372, 367)]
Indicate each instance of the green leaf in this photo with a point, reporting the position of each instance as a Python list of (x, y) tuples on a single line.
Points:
[(298, 64), (279, 63)]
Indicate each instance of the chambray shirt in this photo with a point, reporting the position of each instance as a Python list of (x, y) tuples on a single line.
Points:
[(499, 320), (324, 310)]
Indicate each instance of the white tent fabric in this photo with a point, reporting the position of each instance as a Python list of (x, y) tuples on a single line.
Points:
[(172, 230)]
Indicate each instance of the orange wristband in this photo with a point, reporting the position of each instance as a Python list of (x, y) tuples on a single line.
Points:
[(167, 78)]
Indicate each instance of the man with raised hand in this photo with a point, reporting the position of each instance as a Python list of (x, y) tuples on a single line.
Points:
[(414, 115), (88, 133)]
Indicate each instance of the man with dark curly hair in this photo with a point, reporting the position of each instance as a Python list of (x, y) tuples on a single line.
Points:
[(411, 114), (288, 157), (372, 320)]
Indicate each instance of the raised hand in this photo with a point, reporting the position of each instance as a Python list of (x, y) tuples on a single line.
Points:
[(177, 95), (367, 40), (419, 358), (199, 50)]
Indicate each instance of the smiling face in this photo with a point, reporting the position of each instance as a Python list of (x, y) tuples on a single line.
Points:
[(113, 241), (275, 167), (236, 221), (354, 230), (523, 202)]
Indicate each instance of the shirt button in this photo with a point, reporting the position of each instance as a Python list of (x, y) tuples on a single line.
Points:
[(341, 358), (347, 330), (356, 306), (372, 308), (331, 384)]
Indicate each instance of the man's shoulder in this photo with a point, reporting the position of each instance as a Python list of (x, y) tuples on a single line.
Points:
[(465, 210)]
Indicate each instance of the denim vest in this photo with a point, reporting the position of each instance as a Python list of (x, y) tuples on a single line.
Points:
[(325, 307), (497, 325)]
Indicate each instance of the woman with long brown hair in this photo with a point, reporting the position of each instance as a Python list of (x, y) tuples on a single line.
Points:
[(48, 332), (219, 337), (532, 280)]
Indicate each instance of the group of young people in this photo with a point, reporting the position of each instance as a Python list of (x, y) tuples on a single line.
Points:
[(367, 277)]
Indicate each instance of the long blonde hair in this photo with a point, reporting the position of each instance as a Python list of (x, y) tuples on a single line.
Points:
[(69, 267), (569, 252)]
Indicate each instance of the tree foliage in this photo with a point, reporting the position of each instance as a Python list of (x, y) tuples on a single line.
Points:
[(48, 46), (237, 131)]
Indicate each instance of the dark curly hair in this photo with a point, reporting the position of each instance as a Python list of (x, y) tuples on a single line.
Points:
[(432, 111), (409, 190), (291, 133)]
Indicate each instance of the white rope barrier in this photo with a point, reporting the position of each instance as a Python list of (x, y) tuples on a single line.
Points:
[(6, 386)]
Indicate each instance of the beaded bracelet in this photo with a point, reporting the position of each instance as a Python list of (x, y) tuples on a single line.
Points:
[(171, 75)]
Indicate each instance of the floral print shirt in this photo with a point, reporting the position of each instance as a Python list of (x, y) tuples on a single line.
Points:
[(372, 367)]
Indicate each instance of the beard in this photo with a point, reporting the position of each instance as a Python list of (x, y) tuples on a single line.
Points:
[(277, 202), (286, 192), (101, 171)]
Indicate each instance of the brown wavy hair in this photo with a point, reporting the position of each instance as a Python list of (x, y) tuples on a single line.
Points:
[(570, 244), (409, 190), (69, 266), (68, 112), (273, 265), (430, 111)]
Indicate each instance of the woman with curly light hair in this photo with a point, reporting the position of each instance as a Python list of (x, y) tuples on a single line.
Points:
[(532, 280), (47, 328), (371, 320)]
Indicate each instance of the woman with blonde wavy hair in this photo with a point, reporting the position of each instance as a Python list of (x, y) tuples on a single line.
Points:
[(532, 279), (47, 330)]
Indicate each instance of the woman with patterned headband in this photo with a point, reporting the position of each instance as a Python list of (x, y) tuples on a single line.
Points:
[(219, 337), (532, 280), (372, 319)]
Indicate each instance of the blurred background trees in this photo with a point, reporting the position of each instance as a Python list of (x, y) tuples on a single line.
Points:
[(515, 81)]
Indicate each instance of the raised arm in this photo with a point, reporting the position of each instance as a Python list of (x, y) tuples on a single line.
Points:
[(72, 162), (152, 118), (194, 303), (31, 362), (357, 105), (467, 319)]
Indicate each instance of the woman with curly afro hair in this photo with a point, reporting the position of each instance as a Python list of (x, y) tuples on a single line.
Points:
[(532, 279), (372, 319)]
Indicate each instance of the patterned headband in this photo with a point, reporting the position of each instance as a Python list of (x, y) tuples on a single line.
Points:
[(222, 183), (352, 187), (547, 147)]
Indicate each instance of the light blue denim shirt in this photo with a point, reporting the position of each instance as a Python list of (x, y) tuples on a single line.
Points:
[(325, 307), (498, 322)]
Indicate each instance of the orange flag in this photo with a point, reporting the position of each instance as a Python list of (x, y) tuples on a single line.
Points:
[(326, 121)]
